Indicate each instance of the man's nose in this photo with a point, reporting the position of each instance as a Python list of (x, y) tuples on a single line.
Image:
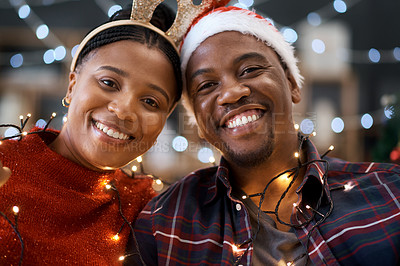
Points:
[(232, 92)]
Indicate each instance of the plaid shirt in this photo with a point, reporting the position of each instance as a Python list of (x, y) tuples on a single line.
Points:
[(197, 221)]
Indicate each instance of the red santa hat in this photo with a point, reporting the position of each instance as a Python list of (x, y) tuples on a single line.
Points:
[(242, 20)]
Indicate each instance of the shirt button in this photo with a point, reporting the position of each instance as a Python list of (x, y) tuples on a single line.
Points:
[(238, 207)]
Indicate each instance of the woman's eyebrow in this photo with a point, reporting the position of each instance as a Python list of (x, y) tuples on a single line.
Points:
[(114, 69), (156, 88)]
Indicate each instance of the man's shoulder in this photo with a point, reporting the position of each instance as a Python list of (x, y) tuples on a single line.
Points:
[(367, 173), (342, 166)]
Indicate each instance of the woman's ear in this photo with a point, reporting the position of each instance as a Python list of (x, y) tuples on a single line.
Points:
[(71, 86), (294, 88), (200, 133)]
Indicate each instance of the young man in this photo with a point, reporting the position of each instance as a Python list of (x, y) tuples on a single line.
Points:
[(273, 200)]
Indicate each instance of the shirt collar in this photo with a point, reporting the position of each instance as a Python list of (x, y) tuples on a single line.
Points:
[(316, 172)]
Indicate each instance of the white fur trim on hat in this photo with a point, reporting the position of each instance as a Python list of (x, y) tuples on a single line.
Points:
[(243, 21)]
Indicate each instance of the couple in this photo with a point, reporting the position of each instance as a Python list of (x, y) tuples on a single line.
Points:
[(272, 200)]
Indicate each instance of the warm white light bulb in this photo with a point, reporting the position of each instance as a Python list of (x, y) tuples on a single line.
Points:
[(21, 117), (139, 159), (158, 181), (234, 248), (244, 197), (15, 209), (331, 147), (24, 133), (296, 154), (296, 126), (108, 186), (116, 237), (212, 159), (53, 114), (134, 168), (121, 258), (29, 115)]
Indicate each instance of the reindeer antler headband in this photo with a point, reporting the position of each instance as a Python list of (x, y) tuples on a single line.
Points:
[(142, 12)]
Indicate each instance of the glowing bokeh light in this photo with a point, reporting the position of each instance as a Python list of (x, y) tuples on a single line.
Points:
[(337, 125), (318, 46), (59, 53), (73, 50), (113, 9), (388, 111), (289, 34), (204, 155), (49, 56), (16, 60), (396, 53), (307, 126), (247, 3), (180, 143), (367, 121), (42, 31), (314, 19), (24, 11), (374, 55), (340, 6)]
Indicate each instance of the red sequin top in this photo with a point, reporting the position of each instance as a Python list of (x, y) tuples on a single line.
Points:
[(66, 215)]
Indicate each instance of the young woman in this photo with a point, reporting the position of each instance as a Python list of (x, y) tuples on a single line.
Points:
[(73, 202)]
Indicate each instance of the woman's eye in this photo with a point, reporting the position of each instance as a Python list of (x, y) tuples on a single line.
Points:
[(151, 102), (109, 83)]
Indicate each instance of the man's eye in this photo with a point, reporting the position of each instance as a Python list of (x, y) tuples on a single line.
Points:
[(206, 86), (249, 70), (151, 102)]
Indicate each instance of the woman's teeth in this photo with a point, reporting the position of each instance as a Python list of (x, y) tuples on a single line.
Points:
[(241, 121), (111, 132)]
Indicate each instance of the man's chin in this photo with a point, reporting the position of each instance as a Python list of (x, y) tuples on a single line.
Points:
[(249, 159)]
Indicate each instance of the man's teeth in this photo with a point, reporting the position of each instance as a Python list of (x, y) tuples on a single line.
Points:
[(243, 121), (111, 132)]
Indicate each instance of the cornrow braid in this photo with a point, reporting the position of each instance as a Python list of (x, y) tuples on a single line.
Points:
[(138, 34)]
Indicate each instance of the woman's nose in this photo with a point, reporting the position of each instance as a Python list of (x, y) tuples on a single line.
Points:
[(124, 107)]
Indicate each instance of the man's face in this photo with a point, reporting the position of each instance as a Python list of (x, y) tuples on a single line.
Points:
[(241, 96)]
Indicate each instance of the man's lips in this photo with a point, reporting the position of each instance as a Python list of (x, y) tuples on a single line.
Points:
[(243, 119), (242, 116)]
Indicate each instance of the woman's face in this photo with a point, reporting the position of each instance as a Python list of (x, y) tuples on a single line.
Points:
[(119, 101)]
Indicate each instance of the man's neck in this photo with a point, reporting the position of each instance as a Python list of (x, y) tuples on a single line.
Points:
[(253, 179)]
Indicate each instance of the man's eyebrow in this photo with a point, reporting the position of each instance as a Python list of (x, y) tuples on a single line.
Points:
[(252, 55), (200, 72), (156, 88), (114, 69)]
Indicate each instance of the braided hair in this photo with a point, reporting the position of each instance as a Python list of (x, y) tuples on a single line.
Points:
[(163, 18)]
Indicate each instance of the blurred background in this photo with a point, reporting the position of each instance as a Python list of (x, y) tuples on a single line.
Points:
[(349, 54)]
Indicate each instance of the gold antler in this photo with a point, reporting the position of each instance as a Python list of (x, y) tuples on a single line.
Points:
[(142, 11), (141, 14)]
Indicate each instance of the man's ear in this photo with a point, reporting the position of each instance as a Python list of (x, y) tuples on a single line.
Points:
[(294, 88), (71, 86)]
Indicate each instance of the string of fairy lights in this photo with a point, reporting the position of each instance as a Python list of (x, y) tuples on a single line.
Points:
[(108, 185), (288, 175)]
